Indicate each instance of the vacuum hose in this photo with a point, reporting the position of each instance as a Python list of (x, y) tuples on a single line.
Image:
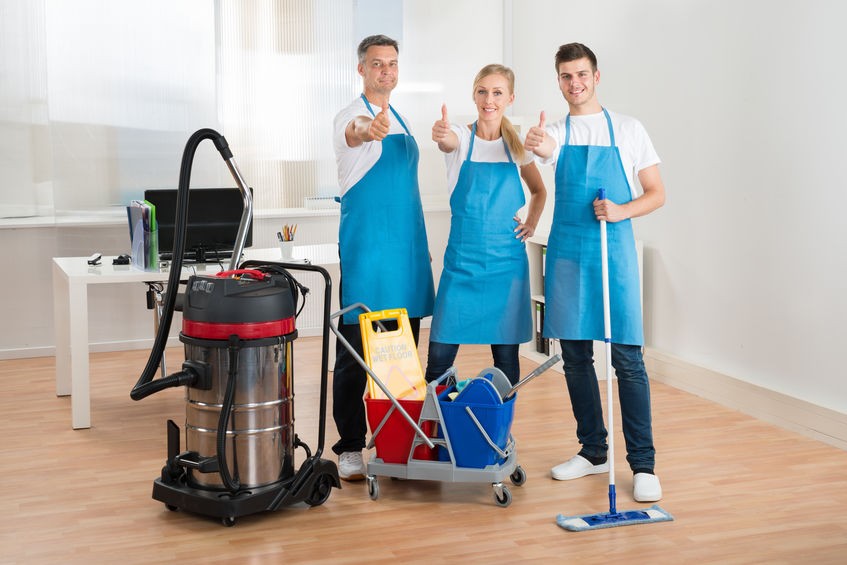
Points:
[(231, 483), (145, 385)]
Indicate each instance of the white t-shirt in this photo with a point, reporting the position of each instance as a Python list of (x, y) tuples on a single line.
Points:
[(354, 162), (636, 149), (484, 151)]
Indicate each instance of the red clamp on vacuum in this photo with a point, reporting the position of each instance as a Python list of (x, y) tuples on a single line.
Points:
[(253, 273)]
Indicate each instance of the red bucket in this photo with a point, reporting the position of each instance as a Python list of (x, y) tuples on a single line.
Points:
[(394, 440)]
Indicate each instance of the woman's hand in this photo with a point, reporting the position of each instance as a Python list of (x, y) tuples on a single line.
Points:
[(523, 231), (446, 138), (441, 128)]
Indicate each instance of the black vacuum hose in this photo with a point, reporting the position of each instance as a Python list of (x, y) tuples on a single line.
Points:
[(230, 482), (145, 385)]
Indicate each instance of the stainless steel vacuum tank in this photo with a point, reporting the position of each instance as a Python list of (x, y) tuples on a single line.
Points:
[(241, 327)]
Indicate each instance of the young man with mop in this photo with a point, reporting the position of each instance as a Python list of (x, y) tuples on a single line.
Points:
[(592, 149)]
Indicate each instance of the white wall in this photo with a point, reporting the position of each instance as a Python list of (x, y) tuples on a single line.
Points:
[(744, 103), (432, 73)]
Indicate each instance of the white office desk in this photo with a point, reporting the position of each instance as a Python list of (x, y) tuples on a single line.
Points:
[(71, 278)]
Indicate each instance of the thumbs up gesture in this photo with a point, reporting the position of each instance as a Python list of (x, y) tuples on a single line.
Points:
[(380, 125), (536, 135), (441, 127), (446, 138)]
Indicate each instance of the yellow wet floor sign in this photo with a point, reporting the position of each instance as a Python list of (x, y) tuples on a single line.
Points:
[(392, 356)]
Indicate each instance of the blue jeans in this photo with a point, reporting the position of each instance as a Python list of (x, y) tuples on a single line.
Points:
[(633, 394), (442, 355)]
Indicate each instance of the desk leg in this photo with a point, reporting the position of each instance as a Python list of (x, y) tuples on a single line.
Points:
[(80, 388), (61, 327), (70, 319)]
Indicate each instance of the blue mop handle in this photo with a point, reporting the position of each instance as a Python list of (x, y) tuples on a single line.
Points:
[(612, 509)]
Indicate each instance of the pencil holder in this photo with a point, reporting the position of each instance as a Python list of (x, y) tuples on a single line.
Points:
[(286, 249)]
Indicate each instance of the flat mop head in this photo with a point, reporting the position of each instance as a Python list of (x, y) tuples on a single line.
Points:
[(613, 519)]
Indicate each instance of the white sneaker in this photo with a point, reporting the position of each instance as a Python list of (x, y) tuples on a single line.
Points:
[(351, 467), (576, 467), (646, 488)]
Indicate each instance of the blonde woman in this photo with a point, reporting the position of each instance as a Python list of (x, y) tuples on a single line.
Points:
[(483, 296)]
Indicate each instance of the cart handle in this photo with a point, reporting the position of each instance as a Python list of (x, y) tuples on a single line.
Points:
[(370, 372), (348, 309)]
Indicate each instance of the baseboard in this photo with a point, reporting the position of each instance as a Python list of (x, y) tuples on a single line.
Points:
[(124, 345), (97, 347), (782, 410), (27, 352)]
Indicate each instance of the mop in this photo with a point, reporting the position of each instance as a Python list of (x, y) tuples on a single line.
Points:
[(613, 518)]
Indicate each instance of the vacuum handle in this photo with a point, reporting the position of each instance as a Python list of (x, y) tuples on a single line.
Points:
[(145, 385)]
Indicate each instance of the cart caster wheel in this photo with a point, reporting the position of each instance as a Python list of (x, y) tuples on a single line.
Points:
[(518, 477), (321, 491), (373, 488), (229, 521), (504, 498)]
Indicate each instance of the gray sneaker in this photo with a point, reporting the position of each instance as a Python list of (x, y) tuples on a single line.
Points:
[(351, 467)]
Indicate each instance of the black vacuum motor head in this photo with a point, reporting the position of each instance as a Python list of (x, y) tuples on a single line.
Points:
[(248, 303)]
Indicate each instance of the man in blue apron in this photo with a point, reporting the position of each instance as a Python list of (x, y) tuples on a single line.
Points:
[(593, 148), (382, 243)]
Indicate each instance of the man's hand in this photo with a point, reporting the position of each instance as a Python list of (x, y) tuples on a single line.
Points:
[(536, 135), (380, 126), (609, 211)]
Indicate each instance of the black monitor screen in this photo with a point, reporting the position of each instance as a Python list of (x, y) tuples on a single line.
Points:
[(214, 215)]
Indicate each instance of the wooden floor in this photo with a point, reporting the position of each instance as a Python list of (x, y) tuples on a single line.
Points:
[(740, 490)]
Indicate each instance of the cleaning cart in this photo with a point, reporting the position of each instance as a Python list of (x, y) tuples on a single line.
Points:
[(445, 430)]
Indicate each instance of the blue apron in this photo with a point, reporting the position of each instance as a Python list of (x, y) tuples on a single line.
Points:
[(483, 296), (573, 286), (382, 238)]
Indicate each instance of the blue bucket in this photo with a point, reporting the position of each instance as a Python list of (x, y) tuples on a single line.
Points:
[(469, 445)]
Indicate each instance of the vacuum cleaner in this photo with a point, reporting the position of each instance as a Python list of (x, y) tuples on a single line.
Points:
[(238, 332)]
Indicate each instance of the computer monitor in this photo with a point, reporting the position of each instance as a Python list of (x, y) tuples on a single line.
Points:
[(214, 216)]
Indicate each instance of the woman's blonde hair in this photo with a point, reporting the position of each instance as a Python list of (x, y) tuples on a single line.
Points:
[(507, 130)]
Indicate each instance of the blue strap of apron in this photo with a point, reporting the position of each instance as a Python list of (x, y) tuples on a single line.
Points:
[(608, 121), (473, 136), (393, 111), (611, 129)]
